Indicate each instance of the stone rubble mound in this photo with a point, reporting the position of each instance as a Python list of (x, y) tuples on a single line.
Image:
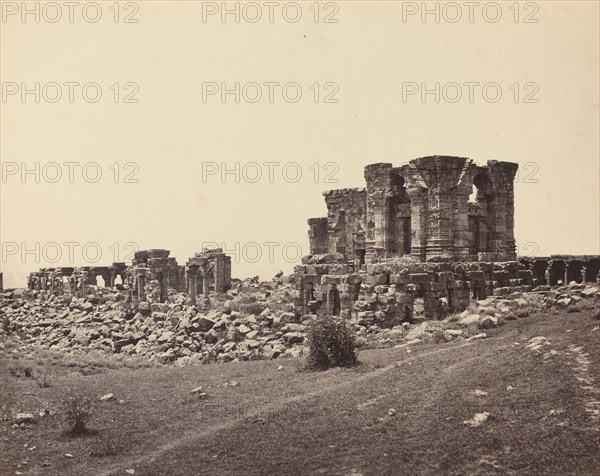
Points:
[(253, 320)]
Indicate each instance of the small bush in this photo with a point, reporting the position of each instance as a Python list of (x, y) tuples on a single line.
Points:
[(77, 410), (43, 380), (331, 343), (21, 370)]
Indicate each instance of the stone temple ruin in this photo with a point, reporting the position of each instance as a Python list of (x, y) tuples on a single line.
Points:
[(422, 209), (149, 278), (438, 228), (436, 233)]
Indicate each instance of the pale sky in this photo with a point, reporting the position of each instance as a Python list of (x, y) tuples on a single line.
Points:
[(371, 56)]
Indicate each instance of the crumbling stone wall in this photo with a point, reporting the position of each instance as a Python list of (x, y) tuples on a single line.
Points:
[(385, 292), (422, 209), (206, 270), (75, 281), (149, 278), (563, 269), (152, 274)]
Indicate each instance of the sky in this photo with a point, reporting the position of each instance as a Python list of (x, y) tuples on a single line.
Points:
[(173, 125)]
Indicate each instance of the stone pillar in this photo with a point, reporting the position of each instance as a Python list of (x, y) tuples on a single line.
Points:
[(378, 178), (163, 282), (566, 279), (584, 274), (503, 176), (461, 236), (438, 241), (141, 287), (218, 273), (83, 283), (418, 222), (205, 285), (191, 276)]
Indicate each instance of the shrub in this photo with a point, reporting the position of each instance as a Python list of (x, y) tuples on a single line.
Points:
[(21, 370), (331, 343), (77, 410), (43, 380)]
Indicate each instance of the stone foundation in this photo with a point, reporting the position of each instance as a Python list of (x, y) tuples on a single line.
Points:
[(385, 292)]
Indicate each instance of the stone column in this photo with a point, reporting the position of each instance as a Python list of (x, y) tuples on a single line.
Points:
[(584, 274), (418, 221), (141, 287), (163, 282), (84, 276), (502, 207), (565, 280), (440, 207), (191, 275), (377, 177), (218, 273), (461, 237), (205, 285)]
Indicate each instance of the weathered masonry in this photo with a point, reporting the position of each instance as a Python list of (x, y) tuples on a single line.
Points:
[(208, 269), (439, 228), (149, 278), (437, 208), (384, 293)]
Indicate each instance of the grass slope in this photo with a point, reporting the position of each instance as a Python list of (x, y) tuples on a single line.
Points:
[(336, 422)]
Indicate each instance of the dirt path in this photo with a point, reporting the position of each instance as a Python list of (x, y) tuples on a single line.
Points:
[(274, 407)]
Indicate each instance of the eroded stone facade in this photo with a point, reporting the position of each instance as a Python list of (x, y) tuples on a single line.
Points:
[(206, 270), (438, 228), (149, 278), (422, 209), (384, 293)]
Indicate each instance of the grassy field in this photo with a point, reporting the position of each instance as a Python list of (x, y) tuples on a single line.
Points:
[(401, 411)]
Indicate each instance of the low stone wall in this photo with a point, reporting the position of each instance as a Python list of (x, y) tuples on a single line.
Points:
[(385, 292)]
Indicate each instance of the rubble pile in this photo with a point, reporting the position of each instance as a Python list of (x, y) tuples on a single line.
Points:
[(484, 314), (252, 320)]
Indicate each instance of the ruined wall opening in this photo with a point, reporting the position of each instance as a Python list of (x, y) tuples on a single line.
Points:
[(480, 214), (360, 257), (538, 271), (574, 272), (334, 300), (473, 196), (592, 270), (557, 272), (118, 280), (100, 281)]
